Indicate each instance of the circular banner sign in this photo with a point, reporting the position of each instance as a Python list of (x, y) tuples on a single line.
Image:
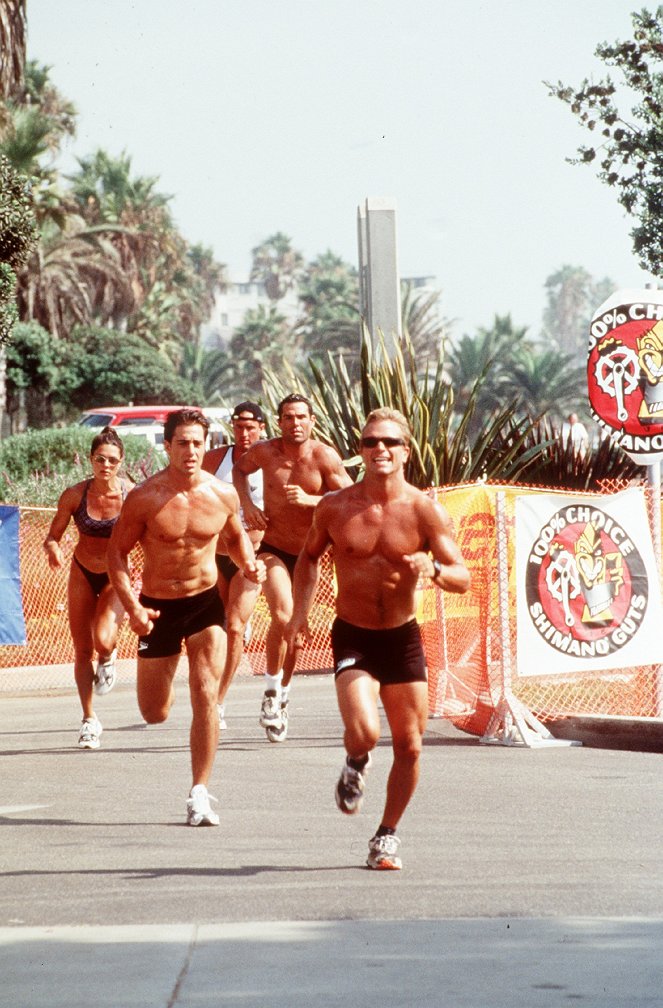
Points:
[(625, 372)]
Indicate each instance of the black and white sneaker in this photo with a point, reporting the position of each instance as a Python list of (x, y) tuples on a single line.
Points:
[(279, 732), (350, 787)]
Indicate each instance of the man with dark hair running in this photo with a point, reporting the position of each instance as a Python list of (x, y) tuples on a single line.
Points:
[(297, 472), (176, 516), (385, 535)]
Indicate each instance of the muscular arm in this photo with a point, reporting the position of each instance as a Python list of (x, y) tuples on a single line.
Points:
[(239, 549), (454, 575), (127, 531), (334, 477), (66, 506), (250, 462), (307, 573)]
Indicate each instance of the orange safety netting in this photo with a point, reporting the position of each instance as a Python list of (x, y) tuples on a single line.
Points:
[(460, 632)]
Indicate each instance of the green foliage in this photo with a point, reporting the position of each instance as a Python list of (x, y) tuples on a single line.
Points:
[(502, 365), (260, 346), (572, 298), (628, 148), (18, 235), (277, 265), (36, 466), (444, 450), (559, 465), (110, 366)]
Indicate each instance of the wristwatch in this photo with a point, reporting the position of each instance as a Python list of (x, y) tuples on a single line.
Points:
[(437, 569)]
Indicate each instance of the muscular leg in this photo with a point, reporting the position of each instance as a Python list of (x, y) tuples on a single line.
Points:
[(107, 619), (357, 694), (277, 590), (206, 652), (154, 686), (81, 606), (242, 597), (406, 707)]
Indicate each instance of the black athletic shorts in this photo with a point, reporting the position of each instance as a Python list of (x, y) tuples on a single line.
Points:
[(289, 559), (391, 656), (179, 619)]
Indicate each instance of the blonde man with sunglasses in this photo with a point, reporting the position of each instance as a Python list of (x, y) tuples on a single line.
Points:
[(385, 535)]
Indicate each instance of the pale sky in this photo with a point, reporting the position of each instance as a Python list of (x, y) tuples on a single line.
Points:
[(261, 116)]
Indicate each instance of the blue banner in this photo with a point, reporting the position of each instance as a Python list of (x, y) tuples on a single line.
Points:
[(12, 624)]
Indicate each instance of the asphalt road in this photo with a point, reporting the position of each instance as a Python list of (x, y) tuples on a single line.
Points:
[(530, 877)]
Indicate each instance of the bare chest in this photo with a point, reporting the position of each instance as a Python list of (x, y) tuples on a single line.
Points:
[(185, 518), (377, 532)]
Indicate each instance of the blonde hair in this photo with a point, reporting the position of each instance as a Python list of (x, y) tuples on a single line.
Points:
[(394, 416)]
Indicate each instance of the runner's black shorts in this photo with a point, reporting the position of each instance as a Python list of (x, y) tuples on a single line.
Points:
[(179, 619), (395, 655)]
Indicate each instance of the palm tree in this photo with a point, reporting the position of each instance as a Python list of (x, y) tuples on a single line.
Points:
[(12, 46), (277, 265), (420, 319), (546, 381), (74, 276)]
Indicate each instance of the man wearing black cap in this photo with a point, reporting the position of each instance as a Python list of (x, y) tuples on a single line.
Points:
[(237, 593)]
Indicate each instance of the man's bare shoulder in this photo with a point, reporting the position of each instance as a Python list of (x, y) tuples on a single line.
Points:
[(336, 501), (223, 492), (260, 454), (212, 459)]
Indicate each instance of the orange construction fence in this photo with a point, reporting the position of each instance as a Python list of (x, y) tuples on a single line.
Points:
[(461, 634)]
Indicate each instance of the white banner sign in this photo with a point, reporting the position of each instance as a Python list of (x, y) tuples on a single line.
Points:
[(587, 591)]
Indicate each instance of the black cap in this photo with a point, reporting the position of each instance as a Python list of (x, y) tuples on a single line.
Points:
[(248, 407)]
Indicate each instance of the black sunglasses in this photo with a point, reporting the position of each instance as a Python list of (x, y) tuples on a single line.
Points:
[(388, 442)]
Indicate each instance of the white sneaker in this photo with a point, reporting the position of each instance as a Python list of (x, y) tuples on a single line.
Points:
[(382, 853), (278, 732), (104, 678), (270, 712), (221, 709), (198, 811), (90, 733)]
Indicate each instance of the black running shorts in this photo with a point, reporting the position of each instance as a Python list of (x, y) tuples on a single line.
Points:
[(391, 656)]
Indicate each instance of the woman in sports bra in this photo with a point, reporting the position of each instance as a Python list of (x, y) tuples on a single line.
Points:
[(95, 612)]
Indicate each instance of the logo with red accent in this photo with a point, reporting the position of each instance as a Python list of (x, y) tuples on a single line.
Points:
[(625, 372), (586, 583)]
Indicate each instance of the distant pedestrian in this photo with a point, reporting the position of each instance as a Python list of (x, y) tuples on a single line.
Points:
[(574, 433)]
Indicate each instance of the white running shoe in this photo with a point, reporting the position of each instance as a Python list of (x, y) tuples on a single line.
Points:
[(382, 853), (279, 732), (270, 713), (104, 677), (198, 811), (89, 735)]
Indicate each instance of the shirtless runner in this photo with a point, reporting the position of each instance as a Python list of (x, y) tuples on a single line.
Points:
[(297, 472), (176, 516), (385, 535)]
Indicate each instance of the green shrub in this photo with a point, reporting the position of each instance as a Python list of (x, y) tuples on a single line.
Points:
[(36, 466)]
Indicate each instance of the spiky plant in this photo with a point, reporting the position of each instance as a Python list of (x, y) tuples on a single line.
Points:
[(560, 464), (444, 451)]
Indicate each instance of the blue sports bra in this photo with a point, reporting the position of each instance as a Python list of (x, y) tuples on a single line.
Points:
[(98, 528)]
